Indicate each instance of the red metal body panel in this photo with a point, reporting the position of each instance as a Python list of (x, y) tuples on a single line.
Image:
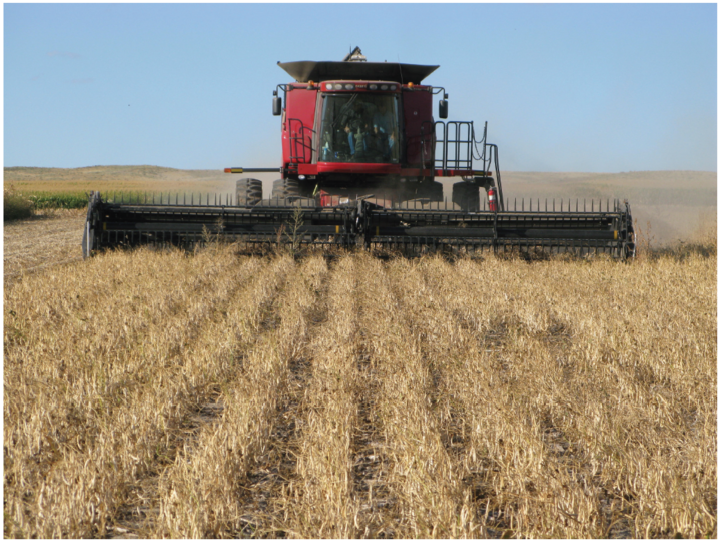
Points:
[(417, 109), (360, 168), (298, 119), (308, 169)]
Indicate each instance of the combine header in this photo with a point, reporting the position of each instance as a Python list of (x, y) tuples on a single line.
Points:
[(361, 157)]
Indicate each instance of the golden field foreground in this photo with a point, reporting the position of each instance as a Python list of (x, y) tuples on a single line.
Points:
[(156, 393)]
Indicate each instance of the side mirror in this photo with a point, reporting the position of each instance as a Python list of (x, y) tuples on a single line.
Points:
[(443, 109), (277, 106)]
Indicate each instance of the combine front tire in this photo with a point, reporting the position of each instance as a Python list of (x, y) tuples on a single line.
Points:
[(285, 187), (467, 196), (284, 192), (248, 191)]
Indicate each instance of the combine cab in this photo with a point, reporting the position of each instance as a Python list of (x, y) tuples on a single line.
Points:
[(362, 155)]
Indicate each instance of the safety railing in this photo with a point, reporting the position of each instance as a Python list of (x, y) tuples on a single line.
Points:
[(300, 141), (456, 146)]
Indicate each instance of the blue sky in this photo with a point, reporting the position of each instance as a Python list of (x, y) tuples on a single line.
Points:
[(564, 87)]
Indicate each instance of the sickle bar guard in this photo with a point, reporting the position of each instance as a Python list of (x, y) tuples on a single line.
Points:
[(363, 224)]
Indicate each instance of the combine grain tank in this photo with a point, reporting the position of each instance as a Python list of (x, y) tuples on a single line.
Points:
[(361, 158)]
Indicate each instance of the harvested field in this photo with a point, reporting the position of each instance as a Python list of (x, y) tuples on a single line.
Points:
[(49, 238), (156, 393)]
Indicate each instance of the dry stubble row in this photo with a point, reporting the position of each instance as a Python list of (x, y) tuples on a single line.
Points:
[(428, 498), (323, 504), (200, 495)]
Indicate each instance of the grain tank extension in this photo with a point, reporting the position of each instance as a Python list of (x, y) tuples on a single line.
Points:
[(362, 156)]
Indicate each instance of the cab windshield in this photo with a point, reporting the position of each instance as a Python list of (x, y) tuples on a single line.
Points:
[(359, 128)]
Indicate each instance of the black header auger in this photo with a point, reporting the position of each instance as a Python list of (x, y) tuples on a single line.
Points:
[(416, 228)]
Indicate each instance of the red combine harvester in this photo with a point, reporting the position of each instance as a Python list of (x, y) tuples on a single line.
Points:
[(361, 157)]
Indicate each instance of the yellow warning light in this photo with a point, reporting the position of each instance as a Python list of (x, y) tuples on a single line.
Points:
[(410, 85), (311, 84)]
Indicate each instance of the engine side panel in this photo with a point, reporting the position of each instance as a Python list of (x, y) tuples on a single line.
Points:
[(417, 112), (298, 118)]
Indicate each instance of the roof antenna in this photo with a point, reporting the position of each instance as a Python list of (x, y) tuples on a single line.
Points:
[(402, 81)]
